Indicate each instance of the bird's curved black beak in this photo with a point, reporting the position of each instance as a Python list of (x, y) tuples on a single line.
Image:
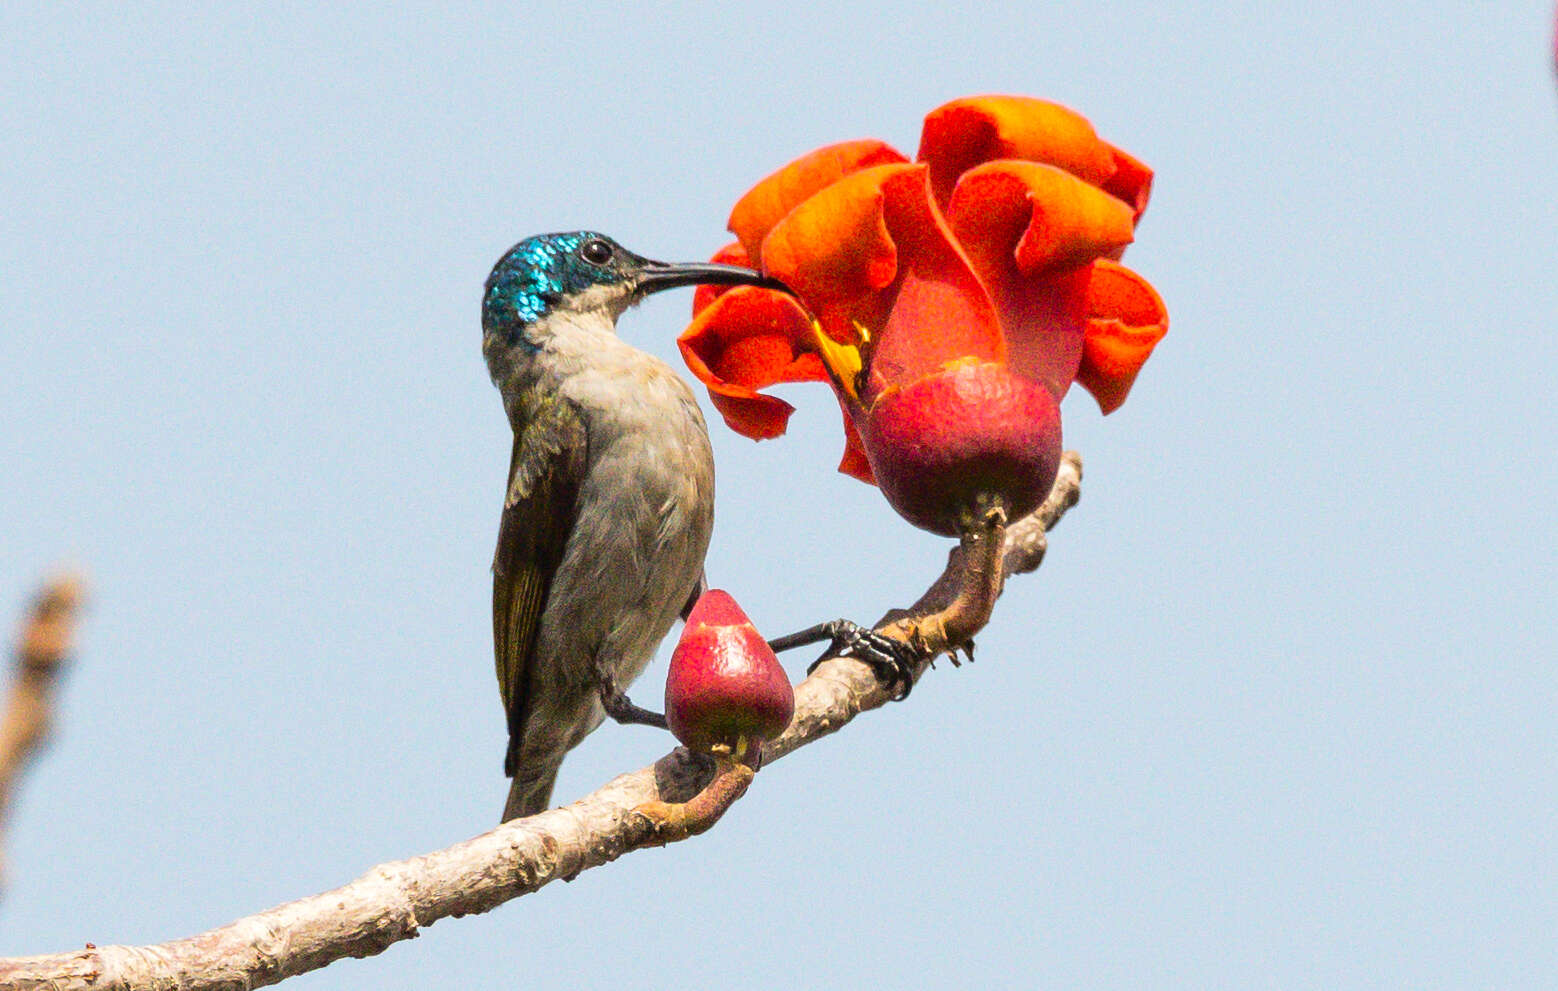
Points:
[(655, 276)]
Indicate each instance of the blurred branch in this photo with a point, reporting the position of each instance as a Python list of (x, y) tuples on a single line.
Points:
[(42, 647), (393, 901)]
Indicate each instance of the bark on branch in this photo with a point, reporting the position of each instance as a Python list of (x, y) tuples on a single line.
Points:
[(42, 647), (394, 900)]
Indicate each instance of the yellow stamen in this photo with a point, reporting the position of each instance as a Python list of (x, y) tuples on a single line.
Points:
[(843, 361)]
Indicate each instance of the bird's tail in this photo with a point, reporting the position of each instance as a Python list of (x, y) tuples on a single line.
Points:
[(531, 790)]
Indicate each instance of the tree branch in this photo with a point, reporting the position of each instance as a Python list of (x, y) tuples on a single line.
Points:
[(42, 647), (393, 901)]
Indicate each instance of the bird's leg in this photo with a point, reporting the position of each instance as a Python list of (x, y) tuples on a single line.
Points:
[(618, 706), (697, 593), (893, 660)]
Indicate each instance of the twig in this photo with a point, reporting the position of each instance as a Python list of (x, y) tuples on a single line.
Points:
[(43, 645), (394, 900)]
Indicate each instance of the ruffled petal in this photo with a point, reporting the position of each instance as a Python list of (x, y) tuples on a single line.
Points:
[(960, 135), (834, 247), (1031, 232), (767, 203), (941, 312), (834, 251), (1068, 222), (745, 340), (1126, 319), (873, 258), (1131, 182)]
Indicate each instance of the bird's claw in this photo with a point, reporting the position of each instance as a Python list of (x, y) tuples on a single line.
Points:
[(891, 659)]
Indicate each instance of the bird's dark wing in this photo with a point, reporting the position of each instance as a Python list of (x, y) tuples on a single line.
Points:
[(538, 514)]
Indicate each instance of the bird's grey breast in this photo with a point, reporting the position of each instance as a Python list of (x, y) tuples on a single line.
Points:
[(645, 504), (648, 438)]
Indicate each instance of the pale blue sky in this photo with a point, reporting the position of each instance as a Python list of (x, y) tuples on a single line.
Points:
[(1278, 712)]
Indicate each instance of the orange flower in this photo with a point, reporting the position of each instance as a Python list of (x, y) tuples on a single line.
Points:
[(951, 301)]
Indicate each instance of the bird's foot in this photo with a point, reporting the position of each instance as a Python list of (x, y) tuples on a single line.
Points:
[(621, 708), (892, 659)]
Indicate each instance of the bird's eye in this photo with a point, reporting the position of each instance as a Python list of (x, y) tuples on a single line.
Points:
[(596, 251)]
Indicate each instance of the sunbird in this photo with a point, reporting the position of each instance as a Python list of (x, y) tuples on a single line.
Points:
[(610, 497)]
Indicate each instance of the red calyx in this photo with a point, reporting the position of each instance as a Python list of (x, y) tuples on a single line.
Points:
[(725, 685), (941, 442)]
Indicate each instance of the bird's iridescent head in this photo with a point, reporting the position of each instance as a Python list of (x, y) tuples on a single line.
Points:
[(583, 271)]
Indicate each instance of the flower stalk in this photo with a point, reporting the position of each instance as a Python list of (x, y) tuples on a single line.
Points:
[(673, 821), (952, 627)]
